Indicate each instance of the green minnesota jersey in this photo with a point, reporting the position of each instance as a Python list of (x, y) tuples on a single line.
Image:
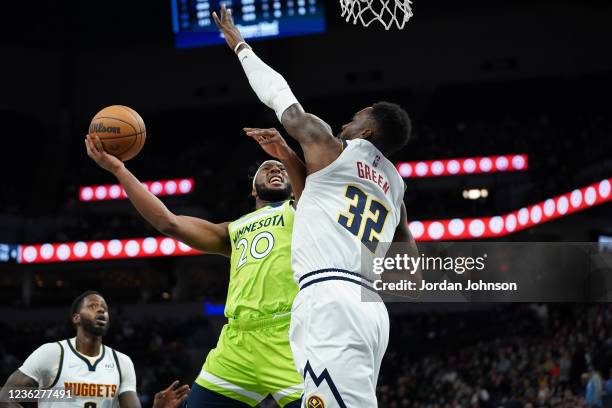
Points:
[(261, 279)]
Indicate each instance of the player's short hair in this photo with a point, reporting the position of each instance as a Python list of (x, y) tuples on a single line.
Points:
[(393, 127), (77, 303)]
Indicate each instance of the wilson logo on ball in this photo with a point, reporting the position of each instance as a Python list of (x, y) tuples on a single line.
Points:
[(100, 128)]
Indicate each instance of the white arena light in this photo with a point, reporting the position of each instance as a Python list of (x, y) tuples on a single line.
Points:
[(80, 249), (469, 165), (485, 164), (132, 248), (416, 229), (185, 186), (156, 188), (87, 193), (496, 224), (167, 246), (476, 228), (46, 251), (466, 165), (97, 250), (149, 245), (116, 192), (171, 187), (435, 230), (453, 167), (405, 170), (421, 169), (63, 252), (100, 192), (437, 168), (456, 227), (114, 247)]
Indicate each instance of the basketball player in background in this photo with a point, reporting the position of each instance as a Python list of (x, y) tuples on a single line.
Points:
[(253, 357), (96, 375), (352, 201)]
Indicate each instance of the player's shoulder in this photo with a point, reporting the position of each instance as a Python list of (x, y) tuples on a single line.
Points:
[(53, 347)]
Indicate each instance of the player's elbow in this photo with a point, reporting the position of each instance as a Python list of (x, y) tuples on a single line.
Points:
[(293, 119), (167, 226)]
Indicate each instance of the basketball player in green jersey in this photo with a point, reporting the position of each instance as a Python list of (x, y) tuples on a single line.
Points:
[(253, 358)]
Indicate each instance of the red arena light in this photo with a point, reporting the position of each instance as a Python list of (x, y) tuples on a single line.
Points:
[(506, 224), (116, 192), (462, 166), (430, 230), (103, 250)]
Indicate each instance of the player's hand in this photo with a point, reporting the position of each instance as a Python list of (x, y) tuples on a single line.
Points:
[(225, 22), (271, 141), (95, 150), (172, 396)]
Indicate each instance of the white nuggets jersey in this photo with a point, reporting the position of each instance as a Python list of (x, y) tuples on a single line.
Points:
[(346, 208), (92, 383)]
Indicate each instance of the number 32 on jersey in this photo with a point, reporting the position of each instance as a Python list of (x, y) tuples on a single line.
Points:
[(365, 217)]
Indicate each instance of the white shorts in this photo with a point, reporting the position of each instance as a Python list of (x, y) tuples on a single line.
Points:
[(338, 342)]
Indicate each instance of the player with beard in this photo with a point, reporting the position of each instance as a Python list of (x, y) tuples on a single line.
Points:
[(253, 358), (96, 375)]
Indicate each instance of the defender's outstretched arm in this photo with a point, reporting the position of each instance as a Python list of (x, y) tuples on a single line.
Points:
[(314, 135), (195, 232)]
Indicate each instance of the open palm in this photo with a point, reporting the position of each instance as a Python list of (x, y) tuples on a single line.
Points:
[(271, 141)]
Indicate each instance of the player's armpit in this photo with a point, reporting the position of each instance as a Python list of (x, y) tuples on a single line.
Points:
[(129, 399), (315, 136), (16, 380), (200, 234)]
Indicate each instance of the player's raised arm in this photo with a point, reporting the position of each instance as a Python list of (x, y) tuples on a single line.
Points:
[(315, 136), (195, 232), (275, 145)]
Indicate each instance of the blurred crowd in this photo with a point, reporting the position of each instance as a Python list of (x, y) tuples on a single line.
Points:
[(521, 356)]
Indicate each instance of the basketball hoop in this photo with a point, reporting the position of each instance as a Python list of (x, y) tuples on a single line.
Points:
[(385, 11)]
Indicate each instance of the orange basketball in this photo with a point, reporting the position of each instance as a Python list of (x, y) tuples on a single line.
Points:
[(121, 131)]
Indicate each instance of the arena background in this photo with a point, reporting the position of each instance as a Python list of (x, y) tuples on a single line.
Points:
[(478, 78)]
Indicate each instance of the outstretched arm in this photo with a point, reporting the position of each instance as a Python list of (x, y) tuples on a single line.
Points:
[(195, 232), (273, 143), (315, 136)]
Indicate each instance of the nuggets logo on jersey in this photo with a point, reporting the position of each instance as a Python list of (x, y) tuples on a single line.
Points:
[(91, 390), (314, 401)]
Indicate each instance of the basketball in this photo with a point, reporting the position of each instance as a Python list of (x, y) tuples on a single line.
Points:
[(121, 131)]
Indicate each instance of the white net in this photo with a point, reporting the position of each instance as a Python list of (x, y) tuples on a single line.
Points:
[(386, 12)]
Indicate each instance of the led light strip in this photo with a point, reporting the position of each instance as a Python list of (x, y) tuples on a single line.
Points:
[(103, 250), (116, 192), (526, 217), (468, 165), (431, 230)]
